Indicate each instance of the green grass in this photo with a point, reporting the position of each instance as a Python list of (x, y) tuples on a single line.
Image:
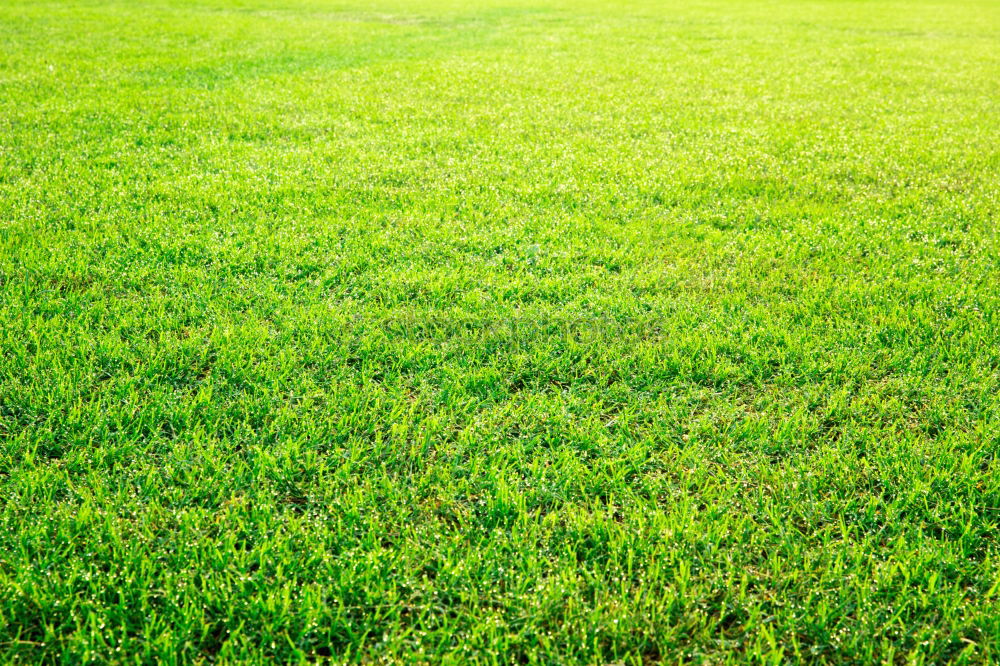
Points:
[(499, 331)]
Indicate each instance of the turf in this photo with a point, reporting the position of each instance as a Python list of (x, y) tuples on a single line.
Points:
[(499, 331)]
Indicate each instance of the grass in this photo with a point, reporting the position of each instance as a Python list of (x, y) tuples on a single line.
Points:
[(503, 331)]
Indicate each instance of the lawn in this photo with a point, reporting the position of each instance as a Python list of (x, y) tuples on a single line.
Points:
[(499, 331)]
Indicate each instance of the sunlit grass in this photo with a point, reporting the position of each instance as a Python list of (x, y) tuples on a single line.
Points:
[(536, 332)]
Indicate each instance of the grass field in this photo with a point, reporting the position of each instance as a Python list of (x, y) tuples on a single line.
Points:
[(499, 331)]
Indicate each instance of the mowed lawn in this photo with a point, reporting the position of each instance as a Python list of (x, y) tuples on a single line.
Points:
[(500, 331)]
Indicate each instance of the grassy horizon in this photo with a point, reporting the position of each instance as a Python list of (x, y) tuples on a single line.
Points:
[(499, 332)]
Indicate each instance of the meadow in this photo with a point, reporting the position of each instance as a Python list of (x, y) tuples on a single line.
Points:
[(549, 332)]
